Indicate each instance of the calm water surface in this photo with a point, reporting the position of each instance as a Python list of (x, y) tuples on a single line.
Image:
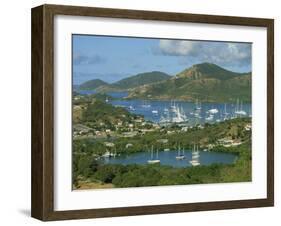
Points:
[(155, 110), (161, 109), (169, 158)]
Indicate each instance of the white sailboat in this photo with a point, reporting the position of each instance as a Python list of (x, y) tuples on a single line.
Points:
[(197, 105), (153, 161), (146, 104), (239, 109), (179, 115), (131, 108), (210, 118), (107, 154), (166, 110), (173, 106), (225, 113), (195, 157), (180, 155), (213, 111), (165, 118), (197, 115)]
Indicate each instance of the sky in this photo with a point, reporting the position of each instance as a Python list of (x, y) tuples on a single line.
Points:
[(113, 58)]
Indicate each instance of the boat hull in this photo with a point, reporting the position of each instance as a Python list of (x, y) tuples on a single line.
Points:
[(180, 157), (153, 161)]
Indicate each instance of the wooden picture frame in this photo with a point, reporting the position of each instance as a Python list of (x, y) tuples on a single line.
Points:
[(43, 112)]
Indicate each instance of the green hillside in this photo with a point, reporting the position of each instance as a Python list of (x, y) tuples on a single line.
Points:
[(98, 111), (135, 81), (205, 82), (92, 84), (141, 79)]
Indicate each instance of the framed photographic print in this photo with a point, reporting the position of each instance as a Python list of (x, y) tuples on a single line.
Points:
[(141, 112)]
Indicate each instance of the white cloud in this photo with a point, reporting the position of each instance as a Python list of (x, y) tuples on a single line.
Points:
[(176, 47), (79, 59), (223, 53)]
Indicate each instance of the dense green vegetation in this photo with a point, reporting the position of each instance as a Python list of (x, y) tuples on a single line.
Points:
[(87, 99), (98, 113), (141, 79), (205, 82), (135, 81), (232, 129), (126, 83), (92, 84), (208, 70)]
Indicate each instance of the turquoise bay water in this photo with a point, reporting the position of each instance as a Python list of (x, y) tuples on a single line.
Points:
[(155, 110), (169, 158)]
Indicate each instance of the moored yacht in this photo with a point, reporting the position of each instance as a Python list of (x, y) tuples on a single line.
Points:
[(179, 115), (197, 105), (239, 109), (146, 104), (180, 155), (195, 157), (152, 160), (209, 118), (213, 111), (131, 108)]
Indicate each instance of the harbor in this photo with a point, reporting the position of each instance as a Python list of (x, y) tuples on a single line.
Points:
[(169, 158), (167, 112), (177, 111)]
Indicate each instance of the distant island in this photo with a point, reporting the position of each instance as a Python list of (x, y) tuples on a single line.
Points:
[(204, 82)]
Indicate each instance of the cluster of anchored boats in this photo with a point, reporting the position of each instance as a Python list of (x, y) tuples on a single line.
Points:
[(180, 156), (176, 114)]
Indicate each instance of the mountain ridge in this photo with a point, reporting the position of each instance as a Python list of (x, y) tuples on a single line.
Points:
[(209, 70), (92, 84), (145, 78), (206, 82)]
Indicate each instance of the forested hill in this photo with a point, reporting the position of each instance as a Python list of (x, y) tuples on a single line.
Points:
[(206, 82), (92, 84)]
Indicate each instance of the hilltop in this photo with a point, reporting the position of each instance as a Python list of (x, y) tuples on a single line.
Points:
[(92, 84), (141, 79), (134, 81), (206, 82)]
